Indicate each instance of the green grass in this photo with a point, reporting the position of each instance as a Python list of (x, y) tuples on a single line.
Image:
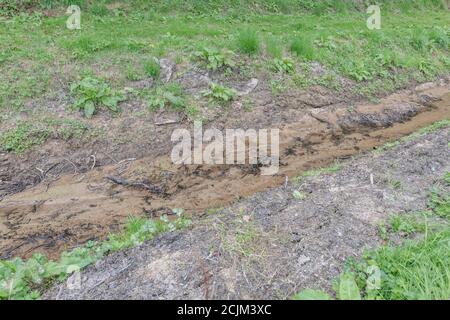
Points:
[(406, 224), (241, 239), (28, 134), (440, 202), (133, 74), (99, 9), (303, 47), (428, 129), (12, 7), (274, 47), (39, 57), (23, 137), (33, 64), (419, 133), (68, 129), (248, 41), (317, 172), (447, 178), (414, 270), (417, 269), (395, 184), (21, 279), (152, 68)]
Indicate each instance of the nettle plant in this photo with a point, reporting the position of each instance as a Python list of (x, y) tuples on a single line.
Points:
[(345, 288), (284, 65), (92, 93), (169, 96), (220, 93), (216, 59)]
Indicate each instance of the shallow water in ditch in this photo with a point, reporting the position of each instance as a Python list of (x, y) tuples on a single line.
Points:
[(52, 217)]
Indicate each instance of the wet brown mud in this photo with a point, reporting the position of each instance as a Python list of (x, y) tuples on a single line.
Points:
[(59, 215)]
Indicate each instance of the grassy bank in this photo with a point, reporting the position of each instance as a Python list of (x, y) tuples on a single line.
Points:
[(40, 54), (44, 65), (12, 7)]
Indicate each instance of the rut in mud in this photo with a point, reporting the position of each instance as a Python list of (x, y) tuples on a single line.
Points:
[(272, 245), (55, 216)]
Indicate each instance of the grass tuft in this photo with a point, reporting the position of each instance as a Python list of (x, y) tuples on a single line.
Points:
[(303, 47), (317, 172), (152, 68), (23, 137), (273, 47), (414, 270), (248, 41)]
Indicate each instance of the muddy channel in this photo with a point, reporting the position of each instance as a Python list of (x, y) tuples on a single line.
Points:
[(55, 216)]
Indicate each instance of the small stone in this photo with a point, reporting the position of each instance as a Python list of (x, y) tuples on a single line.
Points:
[(248, 87), (167, 68), (303, 260)]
